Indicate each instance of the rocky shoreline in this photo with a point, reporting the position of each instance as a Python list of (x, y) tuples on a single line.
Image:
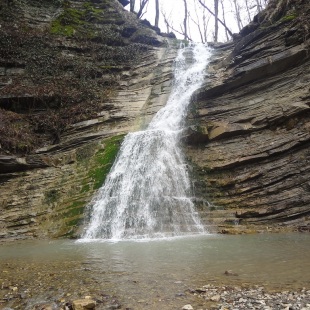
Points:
[(257, 297), (261, 273), (208, 297)]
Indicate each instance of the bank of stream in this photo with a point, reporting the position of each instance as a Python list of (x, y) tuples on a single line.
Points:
[(158, 274)]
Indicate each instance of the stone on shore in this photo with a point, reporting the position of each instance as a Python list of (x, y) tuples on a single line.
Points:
[(84, 304)]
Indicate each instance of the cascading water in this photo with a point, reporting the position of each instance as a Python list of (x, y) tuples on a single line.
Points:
[(147, 193)]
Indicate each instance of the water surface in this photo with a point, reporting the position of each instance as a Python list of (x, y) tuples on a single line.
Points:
[(144, 275)]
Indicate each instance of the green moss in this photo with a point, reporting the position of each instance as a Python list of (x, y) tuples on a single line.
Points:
[(91, 11), (76, 21), (67, 23), (58, 28), (85, 188), (74, 222), (104, 160), (288, 18), (76, 210), (71, 218)]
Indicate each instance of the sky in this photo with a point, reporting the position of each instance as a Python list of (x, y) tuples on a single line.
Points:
[(175, 10)]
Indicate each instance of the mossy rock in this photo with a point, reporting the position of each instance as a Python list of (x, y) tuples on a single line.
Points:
[(104, 160), (77, 21), (288, 18)]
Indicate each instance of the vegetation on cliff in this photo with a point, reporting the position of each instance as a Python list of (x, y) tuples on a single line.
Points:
[(61, 70), (74, 78)]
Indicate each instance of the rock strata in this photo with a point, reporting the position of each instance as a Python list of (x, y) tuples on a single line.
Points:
[(249, 134), (113, 73)]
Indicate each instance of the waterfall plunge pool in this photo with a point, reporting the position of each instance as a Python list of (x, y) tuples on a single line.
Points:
[(149, 274)]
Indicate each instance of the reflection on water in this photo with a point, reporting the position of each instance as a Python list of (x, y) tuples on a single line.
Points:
[(144, 271)]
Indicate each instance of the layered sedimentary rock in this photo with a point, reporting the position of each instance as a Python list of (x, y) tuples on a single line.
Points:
[(94, 49), (250, 134), (76, 76)]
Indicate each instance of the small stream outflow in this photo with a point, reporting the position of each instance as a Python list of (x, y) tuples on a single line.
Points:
[(147, 193)]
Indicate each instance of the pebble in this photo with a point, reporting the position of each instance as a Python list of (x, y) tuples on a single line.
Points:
[(215, 298), (188, 307), (232, 298)]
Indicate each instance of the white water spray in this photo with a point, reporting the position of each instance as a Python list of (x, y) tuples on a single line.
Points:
[(147, 193)]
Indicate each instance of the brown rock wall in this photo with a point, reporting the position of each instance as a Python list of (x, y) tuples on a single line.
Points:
[(251, 131), (119, 73)]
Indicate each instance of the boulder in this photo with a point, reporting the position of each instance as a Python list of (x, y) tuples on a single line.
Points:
[(84, 304)]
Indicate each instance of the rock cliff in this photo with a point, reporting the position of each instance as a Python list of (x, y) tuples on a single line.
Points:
[(250, 126), (75, 77)]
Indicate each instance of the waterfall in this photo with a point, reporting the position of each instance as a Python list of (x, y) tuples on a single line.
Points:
[(147, 193)]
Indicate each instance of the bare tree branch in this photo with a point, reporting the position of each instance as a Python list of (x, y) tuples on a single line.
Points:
[(166, 20), (182, 32), (198, 26), (143, 3), (222, 23)]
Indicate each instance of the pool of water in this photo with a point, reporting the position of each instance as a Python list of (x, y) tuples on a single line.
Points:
[(145, 274)]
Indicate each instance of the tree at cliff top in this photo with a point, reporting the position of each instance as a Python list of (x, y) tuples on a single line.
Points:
[(191, 19)]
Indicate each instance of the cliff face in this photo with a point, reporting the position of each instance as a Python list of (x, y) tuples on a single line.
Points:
[(75, 77), (249, 143)]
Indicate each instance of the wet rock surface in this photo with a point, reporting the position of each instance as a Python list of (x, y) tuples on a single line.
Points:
[(249, 137)]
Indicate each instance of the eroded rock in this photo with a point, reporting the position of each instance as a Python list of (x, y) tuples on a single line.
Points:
[(251, 159)]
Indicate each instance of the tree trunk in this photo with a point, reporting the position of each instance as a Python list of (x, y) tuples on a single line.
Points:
[(205, 26), (216, 23), (238, 15), (248, 10), (156, 13), (259, 6), (223, 9), (132, 5), (185, 20)]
